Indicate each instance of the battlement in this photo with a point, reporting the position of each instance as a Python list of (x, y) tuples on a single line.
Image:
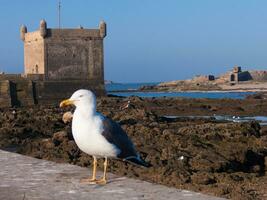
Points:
[(45, 32), (32, 36), (63, 34)]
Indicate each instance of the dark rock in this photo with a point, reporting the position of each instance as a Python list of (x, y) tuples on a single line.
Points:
[(60, 136), (203, 179)]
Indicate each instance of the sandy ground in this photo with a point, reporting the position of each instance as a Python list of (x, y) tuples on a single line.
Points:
[(255, 87), (214, 157)]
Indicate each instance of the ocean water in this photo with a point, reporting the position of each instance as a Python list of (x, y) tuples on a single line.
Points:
[(130, 88), (126, 86), (262, 120)]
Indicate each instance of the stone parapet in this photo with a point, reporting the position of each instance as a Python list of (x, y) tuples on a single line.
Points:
[(26, 92), (5, 97)]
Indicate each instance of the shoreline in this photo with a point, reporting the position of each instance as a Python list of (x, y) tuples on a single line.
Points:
[(201, 87), (190, 91)]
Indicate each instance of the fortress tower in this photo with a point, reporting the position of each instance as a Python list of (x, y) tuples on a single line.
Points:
[(64, 54), (57, 62)]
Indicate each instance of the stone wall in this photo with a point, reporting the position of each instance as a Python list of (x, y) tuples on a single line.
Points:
[(5, 98), (201, 78), (258, 75), (24, 92), (34, 53), (74, 54), (4, 77), (52, 92)]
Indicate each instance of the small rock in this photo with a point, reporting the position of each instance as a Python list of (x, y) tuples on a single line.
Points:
[(60, 136), (153, 124), (256, 168), (214, 108), (203, 179), (67, 117), (48, 144)]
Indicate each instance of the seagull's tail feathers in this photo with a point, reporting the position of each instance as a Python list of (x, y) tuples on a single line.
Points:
[(137, 160)]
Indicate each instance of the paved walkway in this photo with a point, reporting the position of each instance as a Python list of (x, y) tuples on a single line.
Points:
[(26, 178)]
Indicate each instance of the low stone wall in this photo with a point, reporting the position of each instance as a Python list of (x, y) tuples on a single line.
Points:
[(4, 77), (25, 92), (259, 75), (5, 98), (52, 92)]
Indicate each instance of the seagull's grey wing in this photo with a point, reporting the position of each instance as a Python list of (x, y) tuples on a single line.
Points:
[(116, 135)]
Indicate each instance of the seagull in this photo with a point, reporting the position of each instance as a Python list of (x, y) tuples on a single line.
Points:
[(99, 136)]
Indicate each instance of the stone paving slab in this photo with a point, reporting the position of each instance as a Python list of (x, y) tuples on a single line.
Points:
[(26, 178)]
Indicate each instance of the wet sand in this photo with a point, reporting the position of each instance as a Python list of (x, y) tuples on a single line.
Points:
[(221, 158)]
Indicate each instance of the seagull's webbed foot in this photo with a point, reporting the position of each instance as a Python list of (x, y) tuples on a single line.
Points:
[(88, 180), (101, 181)]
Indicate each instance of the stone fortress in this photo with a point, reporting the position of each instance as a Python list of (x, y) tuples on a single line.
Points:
[(235, 76), (56, 63)]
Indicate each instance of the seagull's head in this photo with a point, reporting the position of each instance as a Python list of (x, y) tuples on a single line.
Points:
[(81, 99)]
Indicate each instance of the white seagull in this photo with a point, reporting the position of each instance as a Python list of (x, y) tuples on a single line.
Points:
[(98, 135)]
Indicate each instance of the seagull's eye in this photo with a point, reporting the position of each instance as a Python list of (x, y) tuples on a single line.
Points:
[(81, 95)]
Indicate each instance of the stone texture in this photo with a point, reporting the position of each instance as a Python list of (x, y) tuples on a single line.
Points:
[(5, 98), (34, 53), (29, 178)]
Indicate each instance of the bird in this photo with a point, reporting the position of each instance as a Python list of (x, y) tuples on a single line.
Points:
[(98, 135)]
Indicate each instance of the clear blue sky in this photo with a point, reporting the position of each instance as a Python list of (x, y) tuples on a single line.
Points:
[(150, 40)]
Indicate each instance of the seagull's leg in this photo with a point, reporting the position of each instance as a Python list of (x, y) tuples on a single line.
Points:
[(94, 169), (93, 179), (103, 180)]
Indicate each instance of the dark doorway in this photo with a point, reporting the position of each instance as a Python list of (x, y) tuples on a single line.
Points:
[(232, 78), (36, 69), (13, 94)]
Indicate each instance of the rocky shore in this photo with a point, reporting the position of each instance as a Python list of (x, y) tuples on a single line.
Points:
[(191, 85), (215, 157), (234, 80)]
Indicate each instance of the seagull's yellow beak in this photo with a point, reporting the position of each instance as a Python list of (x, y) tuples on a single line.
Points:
[(66, 102)]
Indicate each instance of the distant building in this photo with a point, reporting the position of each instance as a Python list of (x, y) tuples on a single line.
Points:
[(56, 63), (237, 75)]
